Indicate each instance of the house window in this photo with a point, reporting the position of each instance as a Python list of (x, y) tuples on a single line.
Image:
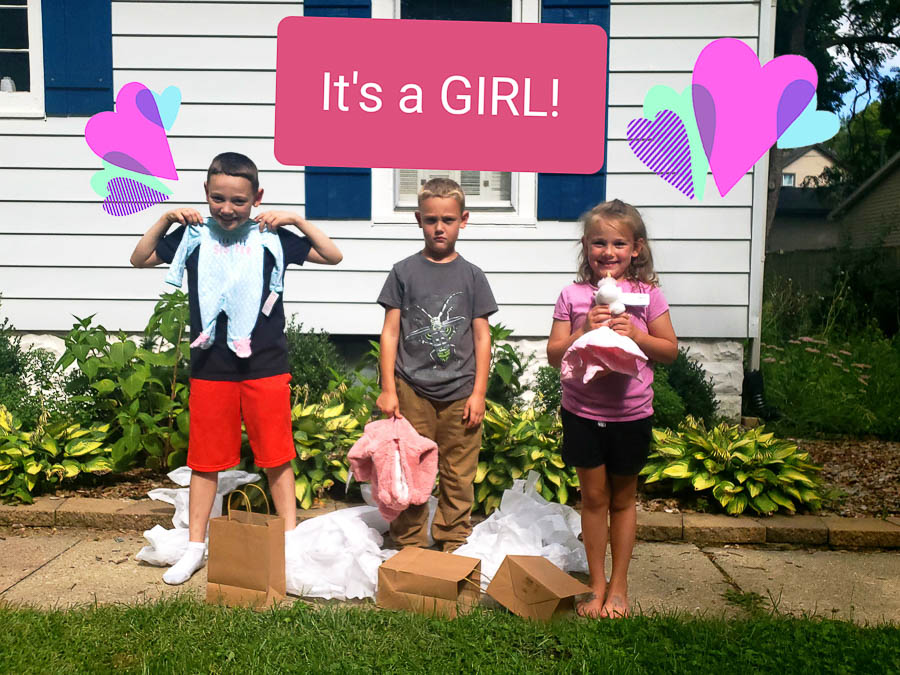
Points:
[(787, 179), (502, 197), (21, 59)]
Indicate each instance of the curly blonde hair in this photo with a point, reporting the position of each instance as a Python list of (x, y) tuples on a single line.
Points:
[(618, 214)]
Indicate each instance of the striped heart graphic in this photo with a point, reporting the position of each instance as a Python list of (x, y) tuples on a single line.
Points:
[(663, 146), (127, 196)]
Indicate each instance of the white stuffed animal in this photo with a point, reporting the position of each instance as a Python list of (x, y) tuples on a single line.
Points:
[(609, 293)]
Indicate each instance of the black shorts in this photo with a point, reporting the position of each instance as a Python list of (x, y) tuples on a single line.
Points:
[(622, 446)]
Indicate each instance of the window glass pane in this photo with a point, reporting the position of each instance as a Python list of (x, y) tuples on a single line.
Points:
[(787, 180), (13, 28), (482, 188), (458, 10), (15, 65)]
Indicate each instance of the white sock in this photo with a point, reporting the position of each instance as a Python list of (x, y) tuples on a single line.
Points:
[(190, 562)]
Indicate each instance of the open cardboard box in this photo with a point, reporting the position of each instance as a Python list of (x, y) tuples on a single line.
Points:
[(533, 587), (429, 582)]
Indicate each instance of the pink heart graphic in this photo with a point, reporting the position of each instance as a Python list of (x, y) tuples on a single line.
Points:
[(132, 137), (663, 146), (742, 108), (127, 196)]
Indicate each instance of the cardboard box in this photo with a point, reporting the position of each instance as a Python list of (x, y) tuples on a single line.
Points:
[(429, 582), (246, 560), (533, 587)]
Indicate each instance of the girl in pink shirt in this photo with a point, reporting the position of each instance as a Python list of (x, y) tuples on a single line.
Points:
[(607, 422)]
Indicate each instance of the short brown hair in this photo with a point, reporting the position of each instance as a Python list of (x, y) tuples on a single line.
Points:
[(234, 164), (443, 187), (618, 213)]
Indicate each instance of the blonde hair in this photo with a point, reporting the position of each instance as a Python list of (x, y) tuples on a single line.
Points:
[(617, 213), (443, 187)]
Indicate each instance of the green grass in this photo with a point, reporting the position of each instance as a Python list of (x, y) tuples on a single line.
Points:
[(186, 636)]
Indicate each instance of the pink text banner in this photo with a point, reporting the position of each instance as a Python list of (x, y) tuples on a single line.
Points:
[(429, 94)]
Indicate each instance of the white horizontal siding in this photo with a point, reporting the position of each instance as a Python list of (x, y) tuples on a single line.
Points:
[(60, 254)]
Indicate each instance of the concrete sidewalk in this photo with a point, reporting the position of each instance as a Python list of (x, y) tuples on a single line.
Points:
[(63, 567)]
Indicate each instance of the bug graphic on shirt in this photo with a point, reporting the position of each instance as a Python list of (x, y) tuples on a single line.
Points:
[(438, 332)]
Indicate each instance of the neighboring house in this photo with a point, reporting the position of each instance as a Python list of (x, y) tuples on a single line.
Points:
[(871, 215), (60, 255), (802, 164), (801, 222)]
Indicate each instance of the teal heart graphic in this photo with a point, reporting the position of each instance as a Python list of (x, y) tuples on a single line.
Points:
[(168, 102), (101, 179), (661, 98), (813, 126)]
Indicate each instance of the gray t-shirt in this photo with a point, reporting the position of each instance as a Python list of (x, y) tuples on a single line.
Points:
[(438, 301)]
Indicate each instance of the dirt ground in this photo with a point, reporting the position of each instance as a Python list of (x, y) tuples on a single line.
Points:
[(862, 478)]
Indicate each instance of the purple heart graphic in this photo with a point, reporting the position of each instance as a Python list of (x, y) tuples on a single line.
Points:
[(132, 137), (663, 146), (742, 108), (127, 196)]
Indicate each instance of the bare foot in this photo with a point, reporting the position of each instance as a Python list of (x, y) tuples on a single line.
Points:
[(590, 608), (615, 607)]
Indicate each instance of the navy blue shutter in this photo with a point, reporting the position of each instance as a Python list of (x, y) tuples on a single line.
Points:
[(338, 192), (567, 196), (78, 77)]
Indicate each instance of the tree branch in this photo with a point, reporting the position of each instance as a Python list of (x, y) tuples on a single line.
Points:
[(850, 40)]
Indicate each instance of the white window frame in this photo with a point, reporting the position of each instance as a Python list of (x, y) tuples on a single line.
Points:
[(29, 103), (784, 177), (523, 189)]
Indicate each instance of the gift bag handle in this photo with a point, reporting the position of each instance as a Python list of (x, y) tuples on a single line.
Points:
[(247, 499)]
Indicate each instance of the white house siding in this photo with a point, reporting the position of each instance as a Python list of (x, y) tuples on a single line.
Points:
[(61, 255)]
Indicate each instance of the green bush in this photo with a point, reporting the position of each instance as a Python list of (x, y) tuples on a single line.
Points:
[(844, 387), (515, 442), (668, 406), (508, 365), (739, 467), (313, 358), (688, 379), (547, 389), (30, 460)]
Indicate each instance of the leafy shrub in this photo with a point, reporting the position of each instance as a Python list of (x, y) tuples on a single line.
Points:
[(313, 358), (514, 443), (833, 386), (48, 455), (508, 364), (668, 406), (28, 383), (547, 389), (739, 467), (141, 392), (688, 379)]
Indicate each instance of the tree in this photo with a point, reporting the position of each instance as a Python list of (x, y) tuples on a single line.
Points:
[(848, 41)]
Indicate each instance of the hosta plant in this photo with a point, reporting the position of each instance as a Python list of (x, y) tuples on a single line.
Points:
[(741, 467), (515, 442), (49, 454)]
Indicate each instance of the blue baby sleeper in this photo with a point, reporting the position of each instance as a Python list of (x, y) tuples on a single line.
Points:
[(229, 278)]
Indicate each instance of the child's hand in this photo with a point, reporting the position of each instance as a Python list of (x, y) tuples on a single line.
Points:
[(184, 216), (473, 413), (388, 404), (596, 317), (623, 325), (272, 220)]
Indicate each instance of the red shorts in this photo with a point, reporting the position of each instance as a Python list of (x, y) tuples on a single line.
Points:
[(216, 410)]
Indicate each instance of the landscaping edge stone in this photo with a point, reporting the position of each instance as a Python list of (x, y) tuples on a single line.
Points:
[(698, 528)]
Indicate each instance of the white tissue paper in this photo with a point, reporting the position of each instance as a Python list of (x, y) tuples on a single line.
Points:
[(167, 546), (527, 524)]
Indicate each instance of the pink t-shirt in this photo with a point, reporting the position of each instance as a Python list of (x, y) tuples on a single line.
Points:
[(615, 397)]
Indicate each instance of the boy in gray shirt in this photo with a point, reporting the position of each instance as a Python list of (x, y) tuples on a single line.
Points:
[(435, 358)]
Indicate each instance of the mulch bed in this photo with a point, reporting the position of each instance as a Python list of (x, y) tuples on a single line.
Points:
[(862, 478)]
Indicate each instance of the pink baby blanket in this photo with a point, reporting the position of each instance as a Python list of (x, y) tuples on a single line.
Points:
[(401, 464), (600, 350)]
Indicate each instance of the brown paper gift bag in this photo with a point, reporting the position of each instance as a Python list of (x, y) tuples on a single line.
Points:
[(429, 582), (246, 558), (533, 587)]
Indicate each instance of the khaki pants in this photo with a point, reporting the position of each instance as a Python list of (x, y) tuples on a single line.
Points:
[(458, 447)]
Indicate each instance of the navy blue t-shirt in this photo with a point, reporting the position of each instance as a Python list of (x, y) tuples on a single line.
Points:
[(267, 341)]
